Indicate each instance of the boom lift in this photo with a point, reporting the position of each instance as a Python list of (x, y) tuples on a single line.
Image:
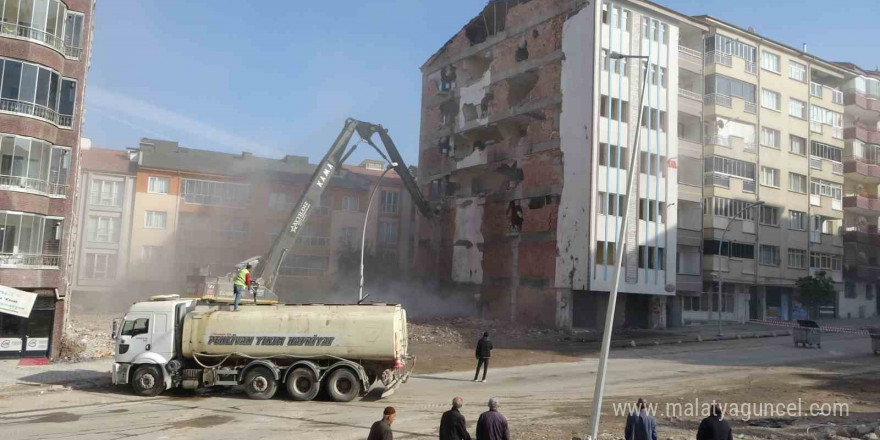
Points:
[(265, 272)]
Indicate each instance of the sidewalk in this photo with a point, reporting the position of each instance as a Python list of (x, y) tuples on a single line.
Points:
[(15, 379)]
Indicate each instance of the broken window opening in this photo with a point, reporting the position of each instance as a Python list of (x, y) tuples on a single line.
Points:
[(447, 78), (515, 215), (448, 112), (469, 111), (491, 21), (522, 52), (519, 87), (536, 202), (475, 67), (444, 146)]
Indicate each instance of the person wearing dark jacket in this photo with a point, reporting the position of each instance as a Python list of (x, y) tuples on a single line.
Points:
[(381, 430), (483, 353), (714, 427), (639, 425), (452, 424), (492, 425)]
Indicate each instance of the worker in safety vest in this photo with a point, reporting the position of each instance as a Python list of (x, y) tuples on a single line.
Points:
[(242, 281)]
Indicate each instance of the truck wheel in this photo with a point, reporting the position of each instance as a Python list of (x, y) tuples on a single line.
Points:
[(260, 384), (343, 385), (147, 381), (302, 385)]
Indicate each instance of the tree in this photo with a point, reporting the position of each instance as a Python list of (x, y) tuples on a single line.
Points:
[(816, 291)]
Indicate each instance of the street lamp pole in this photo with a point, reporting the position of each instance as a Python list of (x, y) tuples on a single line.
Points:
[(720, 246), (618, 256), (364, 232)]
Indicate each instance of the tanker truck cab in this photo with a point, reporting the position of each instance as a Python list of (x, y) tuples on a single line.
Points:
[(146, 340)]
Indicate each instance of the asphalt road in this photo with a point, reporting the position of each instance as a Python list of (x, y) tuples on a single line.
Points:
[(526, 393)]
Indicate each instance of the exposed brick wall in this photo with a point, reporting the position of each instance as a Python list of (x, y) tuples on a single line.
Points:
[(25, 202), (542, 169)]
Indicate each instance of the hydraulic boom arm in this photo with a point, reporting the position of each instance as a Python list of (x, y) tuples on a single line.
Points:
[(266, 271)]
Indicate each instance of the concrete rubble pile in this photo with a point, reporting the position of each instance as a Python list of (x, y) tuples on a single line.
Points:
[(468, 330), (88, 338)]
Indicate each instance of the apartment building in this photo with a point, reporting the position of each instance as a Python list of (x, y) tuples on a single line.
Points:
[(44, 56), (860, 203), (107, 182), (773, 118), (527, 123), (200, 211)]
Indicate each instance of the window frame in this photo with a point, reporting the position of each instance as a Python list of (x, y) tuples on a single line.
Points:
[(151, 214), (803, 70), (776, 177), (765, 56), (777, 97), (151, 180)]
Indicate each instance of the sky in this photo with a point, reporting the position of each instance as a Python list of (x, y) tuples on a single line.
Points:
[(280, 77)]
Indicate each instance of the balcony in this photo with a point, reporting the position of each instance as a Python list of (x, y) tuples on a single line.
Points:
[(864, 272), (29, 261), (690, 95), (40, 37), (35, 111), (863, 133), (861, 204), (751, 68), (36, 186), (717, 139), (862, 234), (694, 53), (862, 100), (750, 107), (863, 170), (717, 99), (716, 57)]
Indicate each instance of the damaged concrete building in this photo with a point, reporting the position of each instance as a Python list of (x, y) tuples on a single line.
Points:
[(525, 137)]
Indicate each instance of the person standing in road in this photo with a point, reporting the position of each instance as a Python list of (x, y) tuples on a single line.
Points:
[(381, 430), (483, 353), (492, 425), (242, 281), (453, 425), (714, 427), (639, 425)]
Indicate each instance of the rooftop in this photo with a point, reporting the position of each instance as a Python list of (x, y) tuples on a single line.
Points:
[(106, 160)]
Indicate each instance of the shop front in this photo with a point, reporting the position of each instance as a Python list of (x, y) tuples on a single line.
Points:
[(31, 336)]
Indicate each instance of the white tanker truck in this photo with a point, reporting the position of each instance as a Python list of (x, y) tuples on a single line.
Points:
[(169, 342)]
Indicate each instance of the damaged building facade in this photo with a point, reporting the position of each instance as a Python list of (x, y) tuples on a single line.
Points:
[(528, 121), (526, 131)]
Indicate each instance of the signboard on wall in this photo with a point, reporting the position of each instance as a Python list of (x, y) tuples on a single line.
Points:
[(16, 302), (37, 344), (10, 344)]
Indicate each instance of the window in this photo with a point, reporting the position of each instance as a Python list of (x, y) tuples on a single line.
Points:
[(770, 137), (619, 110), (614, 202), (797, 108), (723, 85), (155, 219), (825, 188), (657, 75), (770, 61), (824, 116), (770, 177), (390, 201), (615, 66), (654, 30), (617, 155), (33, 165), (649, 163), (605, 253), (819, 260), (798, 220), (656, 257), (744, 251), (139, 326), (29, 234), (151, 254), (869, 292), (304, 264), (769, 215), (40, 20), (387, 231), (849, 290), (279, 202), (798, 145), (102, 229), (797, 71), (347, 236), (730, 208), (731, 167), (769, 255), (212, 193), (818, 149), (650, 210), (105, 193), (158, 185), (654, 119), (67, 97), (100, 267), (797, 258), (622, 23), (770, 99), (73, 30), (797, 183), (732, 47), (34, 89), (351, 203)]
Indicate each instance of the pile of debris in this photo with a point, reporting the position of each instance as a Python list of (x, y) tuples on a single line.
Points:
[(87, 337), (468, 330)]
